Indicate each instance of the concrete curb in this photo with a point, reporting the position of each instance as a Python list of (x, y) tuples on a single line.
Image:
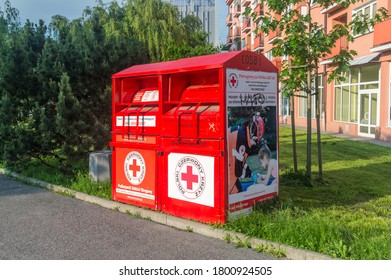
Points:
[(290, 252)]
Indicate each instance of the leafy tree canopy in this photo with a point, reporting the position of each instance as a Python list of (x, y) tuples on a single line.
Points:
[(55, 79)]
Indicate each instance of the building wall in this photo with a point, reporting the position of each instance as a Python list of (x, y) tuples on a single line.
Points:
[(209, 12), (374, 46)]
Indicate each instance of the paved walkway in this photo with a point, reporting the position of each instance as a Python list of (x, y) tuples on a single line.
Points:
[(38, 224), (180, 250)]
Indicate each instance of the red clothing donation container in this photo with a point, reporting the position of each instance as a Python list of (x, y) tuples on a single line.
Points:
[(192, 150)]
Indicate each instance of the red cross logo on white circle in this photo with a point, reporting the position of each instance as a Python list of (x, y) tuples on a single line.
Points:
[(190, 177), (134, 168), (233, 81)]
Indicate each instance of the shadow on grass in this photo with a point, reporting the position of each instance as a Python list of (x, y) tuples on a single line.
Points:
[(343, 186)]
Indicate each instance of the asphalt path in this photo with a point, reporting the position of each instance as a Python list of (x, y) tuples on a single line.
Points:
[(37, 224)]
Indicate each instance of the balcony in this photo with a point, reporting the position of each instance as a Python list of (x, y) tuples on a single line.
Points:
[(246, 27), (259, 11), (237, 10), (277, 63), (229, 41), (237, 32), (331, 9), (382, 36), (228, 2), (245, 3), (274, 35), (341, 44), (259, 44), (228, 20)]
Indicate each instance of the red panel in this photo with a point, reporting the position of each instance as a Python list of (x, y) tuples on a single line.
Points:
[(180, 185), (134, 176)]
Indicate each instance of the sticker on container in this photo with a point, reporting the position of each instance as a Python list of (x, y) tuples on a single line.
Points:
[(134, 168), (147, 121), (120, 121), (150, 96), (191, 178)]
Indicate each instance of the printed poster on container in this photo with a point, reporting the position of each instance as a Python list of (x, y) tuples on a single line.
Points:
[(252, 138)]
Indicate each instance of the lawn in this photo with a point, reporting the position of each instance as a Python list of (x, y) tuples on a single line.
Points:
[(347, 215)]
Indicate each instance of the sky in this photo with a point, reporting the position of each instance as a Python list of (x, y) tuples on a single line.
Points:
[(45, 9), (34, 10)]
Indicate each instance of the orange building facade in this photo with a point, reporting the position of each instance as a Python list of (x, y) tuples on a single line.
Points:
[(360, 106)]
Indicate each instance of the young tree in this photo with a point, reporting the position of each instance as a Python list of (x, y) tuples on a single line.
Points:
[(305, 42)]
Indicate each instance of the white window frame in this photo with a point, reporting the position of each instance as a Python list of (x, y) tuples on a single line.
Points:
[(361, 10), (348, 83), (284, 106), (269, 55)]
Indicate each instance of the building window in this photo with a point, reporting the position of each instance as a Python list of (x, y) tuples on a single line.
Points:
[(284, 105), (368, 10), (269, 55), (347, 92), (303, 101)]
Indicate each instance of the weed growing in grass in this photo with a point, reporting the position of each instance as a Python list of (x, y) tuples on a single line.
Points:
[(134, 214), (65, 193), (245, 243), (271, 250), (228, 238), (189, 229)]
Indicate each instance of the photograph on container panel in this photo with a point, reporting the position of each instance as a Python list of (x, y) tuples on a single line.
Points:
[(252, 139)]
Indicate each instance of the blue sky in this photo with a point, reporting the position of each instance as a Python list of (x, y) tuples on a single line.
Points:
[(45, 9)]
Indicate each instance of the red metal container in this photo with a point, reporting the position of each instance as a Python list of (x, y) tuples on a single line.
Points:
[(197, 137)]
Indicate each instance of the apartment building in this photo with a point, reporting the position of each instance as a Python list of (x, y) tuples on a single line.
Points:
[(359, 106), (210, 12)]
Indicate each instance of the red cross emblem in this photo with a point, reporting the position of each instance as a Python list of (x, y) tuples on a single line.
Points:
[(233, 81), (189, 177), (134, 167)]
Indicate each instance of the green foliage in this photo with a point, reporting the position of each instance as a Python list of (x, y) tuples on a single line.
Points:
[(55, 80), (270, 249), (305, 41), (65, 193), (347, 215), (82, 183)]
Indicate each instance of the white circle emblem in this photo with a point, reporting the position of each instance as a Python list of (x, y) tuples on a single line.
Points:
[(134, 168), (190, 177)]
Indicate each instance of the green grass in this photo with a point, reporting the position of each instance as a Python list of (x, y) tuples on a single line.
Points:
[(347, 215), (83, 183), (79, 180)]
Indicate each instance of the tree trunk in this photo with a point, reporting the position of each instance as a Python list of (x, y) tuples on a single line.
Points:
[(320, 165), (294, 142), (309, 130)]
